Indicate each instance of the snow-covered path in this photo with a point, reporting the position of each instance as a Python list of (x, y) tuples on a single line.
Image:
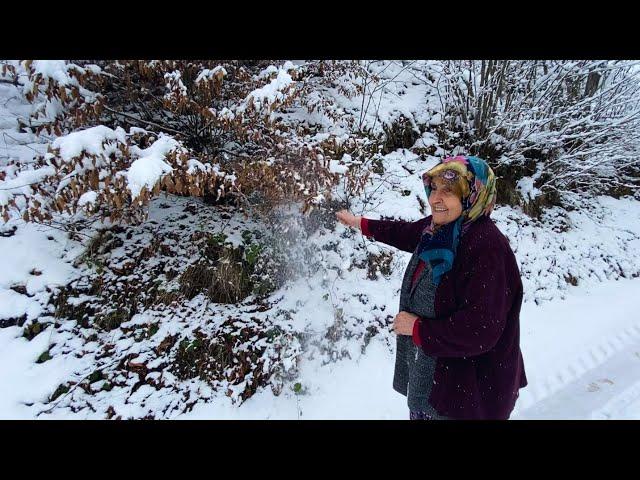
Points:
[(582, 352), (588, 366), (610, 391)]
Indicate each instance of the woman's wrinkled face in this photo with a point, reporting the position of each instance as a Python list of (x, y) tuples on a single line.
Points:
[(446, 205)]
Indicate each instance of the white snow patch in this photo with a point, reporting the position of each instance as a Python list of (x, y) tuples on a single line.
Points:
[(150, 167), (210, 73), (527, 189), (90, 140), (87, 198), (272, 92), (14, 305)]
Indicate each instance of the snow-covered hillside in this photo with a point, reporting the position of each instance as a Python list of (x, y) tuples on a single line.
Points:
[(320, 345), (567, 330)]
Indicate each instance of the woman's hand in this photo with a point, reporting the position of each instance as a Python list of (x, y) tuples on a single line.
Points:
[(349, 219), (403, 323)]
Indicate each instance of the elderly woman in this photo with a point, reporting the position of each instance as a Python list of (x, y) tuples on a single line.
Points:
[(458, 347)]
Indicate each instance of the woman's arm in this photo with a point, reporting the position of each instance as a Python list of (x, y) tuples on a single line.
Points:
[(477, 325), (396, 233)]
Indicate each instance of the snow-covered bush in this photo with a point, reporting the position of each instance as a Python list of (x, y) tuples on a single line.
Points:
[(577, 120), (63, 95), (128, 130)]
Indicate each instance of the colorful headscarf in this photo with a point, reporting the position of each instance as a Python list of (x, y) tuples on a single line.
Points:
[(478, 185)]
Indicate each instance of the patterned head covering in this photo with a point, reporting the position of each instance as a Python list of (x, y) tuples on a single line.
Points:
[(476, 180), (477, 183)]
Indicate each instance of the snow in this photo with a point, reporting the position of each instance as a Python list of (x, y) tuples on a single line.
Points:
[(608, 390), (145, 172), (24, 381), (90, 140), (147, 168), (29, 249), (87, 198), (195, 166), (336, 166), (137, 319), (564, 339), (273, 92), (597, 245), (210, 73), (21, 182), (346, 390), (527, 189), (150, 167), (54, 69), (173, 82), (13, 305), (266, 73), (427, 139)]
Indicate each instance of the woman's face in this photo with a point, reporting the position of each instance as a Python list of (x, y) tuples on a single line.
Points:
[(446, 206)]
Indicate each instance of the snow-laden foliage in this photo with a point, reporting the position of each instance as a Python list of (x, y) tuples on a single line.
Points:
[(568, 125), (212, 129), (263, 133)]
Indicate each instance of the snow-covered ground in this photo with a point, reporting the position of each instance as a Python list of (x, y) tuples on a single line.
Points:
[(582, 357), (581, 344)]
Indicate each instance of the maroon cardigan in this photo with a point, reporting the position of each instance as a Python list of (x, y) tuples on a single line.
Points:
[(475, 334)]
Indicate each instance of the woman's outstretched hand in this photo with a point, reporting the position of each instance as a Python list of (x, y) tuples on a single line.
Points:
[(349, 219)]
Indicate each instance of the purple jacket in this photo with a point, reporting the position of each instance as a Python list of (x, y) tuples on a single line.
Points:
[(476, 333)]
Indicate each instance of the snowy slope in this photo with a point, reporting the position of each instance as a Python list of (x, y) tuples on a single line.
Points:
[(564, 339)]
